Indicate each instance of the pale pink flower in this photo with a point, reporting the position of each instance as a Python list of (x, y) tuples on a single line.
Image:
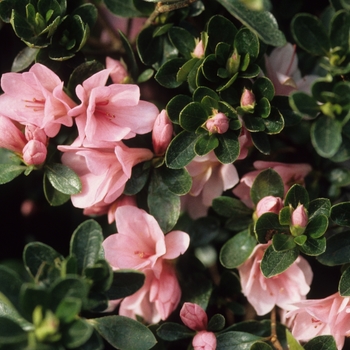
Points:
[(218, 124), (162, 133), (282, 70), (140, 244), (118, 73), (11, 137), (209, 179), (247, 99), (103, 171), (282, 290), (37, 98), (269, 204), (34, 152), (290, 173), (198, 50), (194, 317), (204, 341), (111, 113), (299, 220), (33, 132), (329, 316)]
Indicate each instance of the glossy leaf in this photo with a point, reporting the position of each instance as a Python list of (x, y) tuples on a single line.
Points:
[(193, 116), (178, 181), (344, 283), (322, 342), (282, 242), (182, 40), (78, 332), (167, 74), (246, 42), (235, 340), (317, 226), (10, 171), (228, 149), (319, 206), (267, 225), (297, 195), (53, 196), (340, 213), (176, 105), (205, 144), (171, 331), (304, 104), (314, 247)]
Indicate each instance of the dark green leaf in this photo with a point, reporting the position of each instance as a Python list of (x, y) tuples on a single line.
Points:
[(304, 104), (297, 195), (237, 249), (167, 73), (205, 144), (322, 342), (54, 197), (274, 263), (246, 42), (178, 181), (261, 142), (267, 225), (176, 105), (182, 40), (10, 171), (282, 242), (77, 333), (317, 226), (344, 283), (170, 331), (149, 47), (123, 8), (68, 309), (11, 332), (235, 340), (340, 213), (274, 123), (204, 230), (86, 243), (314, 247), (319, 206), (24, 59), (339, 32), (228, 149), (139, 176), (193, 116), (124, 333), (216, 323), (10, 284)]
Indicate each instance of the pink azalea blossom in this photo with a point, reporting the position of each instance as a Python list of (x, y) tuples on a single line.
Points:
[(118, 73), (11, 137), (140, 244), (37, 98), (269, 204), (209, 179), (34, 152), (282, 70), (103, 171), (290, 174), (218, 124), (204, 341), (162, 133), (198, 50), (282, 290), (329, 316), (111, 113)]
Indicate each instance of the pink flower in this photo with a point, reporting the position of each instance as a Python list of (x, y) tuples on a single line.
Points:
[(111, 113), (282, 290), (247, 99), (299, 220), (204, 341), (34, 152), (290, 174), (269, 204), (140, 244), (210, 178), (11, 137), (218, 124), (162, 133), (103, 171), (37, 98), (198, 50), (194, 317), (329, 316), (118, 73), (32, 132), (282, 70)]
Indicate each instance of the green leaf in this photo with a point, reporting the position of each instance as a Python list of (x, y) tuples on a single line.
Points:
[(139, 177), (293, 344), (326, 136), (314, 247), (163, 204), (340, 213), (246, 42), (228, 149), (344, 283), (86, 243), (124, 333), (123, 8), (54, 197), (337, 251), (24, 59), (179, 181), (274, 123), (11, 332), (216, 323), (125, 282), (235, 340), (193, 116), (267, 183), (290, 117), (262, 23), (282, 242), (304, 104), (171, 331), (274, 263), (322, 342), (181, 150), (237, 249), (176, 105), (68, 309), (317, 226), (339, 31), (31, 296), (150, 48), (77, 333), (167, 73), (10, 171), (297, 195), (185, 70), (228, 207), (310, 34), (205, 144), (10, 284), (319, 206), (182, 40), (62, 178), (267, 225), (259, 345), (36, 255), (261, 142)]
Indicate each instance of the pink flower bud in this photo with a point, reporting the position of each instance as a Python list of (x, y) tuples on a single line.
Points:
[(194, 317), (269, 204), (32, 132), (204, 341), (299, 220), (11, 137), (162, 133), (198, 50), (232, 64), (247, 99), (118, 72), (218, 124), (34, 152)]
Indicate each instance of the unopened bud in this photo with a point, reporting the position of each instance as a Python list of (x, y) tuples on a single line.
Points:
[(232, 64), (247, 100), (34, 152), (32, 132), (299, 220), (198, 50), (269, 204), (162, 133), (218, 124)]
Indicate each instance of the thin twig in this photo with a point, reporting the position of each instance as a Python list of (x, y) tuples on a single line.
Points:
[(274, 340)]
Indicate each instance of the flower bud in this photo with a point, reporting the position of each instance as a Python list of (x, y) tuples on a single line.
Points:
[(118, 74), (247, 100), (11, 137), (32, 132), (34, 152), (268, 204), (194, 317), (198, 50), (162, 133), (232, 64), (299, 220), (218, 124), (204, 341)]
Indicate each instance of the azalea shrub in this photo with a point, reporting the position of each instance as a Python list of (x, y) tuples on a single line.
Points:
[(182, 171)]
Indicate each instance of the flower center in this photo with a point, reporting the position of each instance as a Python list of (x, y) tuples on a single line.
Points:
[(99, 109), (142, 255), (35, 105)]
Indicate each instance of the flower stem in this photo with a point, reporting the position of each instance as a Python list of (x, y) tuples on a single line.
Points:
[(274, 340)]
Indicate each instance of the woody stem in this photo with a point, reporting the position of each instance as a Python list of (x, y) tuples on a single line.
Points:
[(274, 340)]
